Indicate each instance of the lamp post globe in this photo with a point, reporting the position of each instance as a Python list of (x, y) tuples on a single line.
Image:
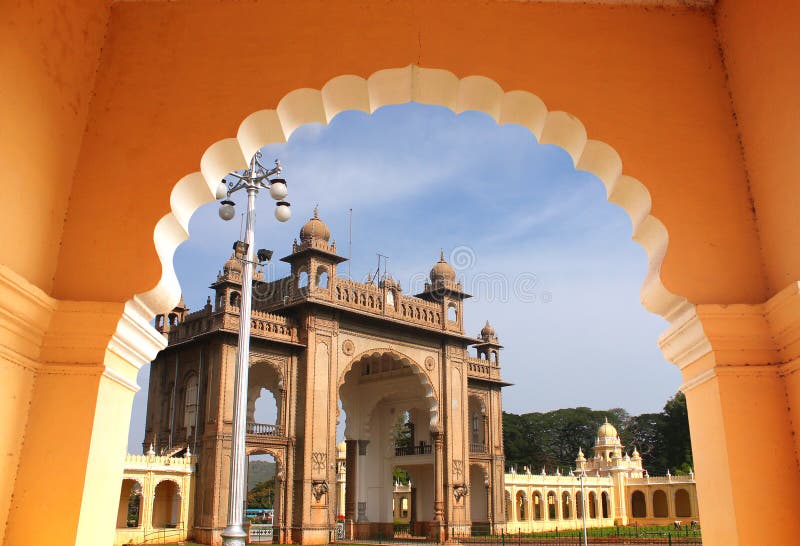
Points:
[(278, 189), (227, 210), (222, 191), (283, 211)]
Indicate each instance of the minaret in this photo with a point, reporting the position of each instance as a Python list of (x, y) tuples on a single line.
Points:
[(444, 289), (489, 346), (313, 259)]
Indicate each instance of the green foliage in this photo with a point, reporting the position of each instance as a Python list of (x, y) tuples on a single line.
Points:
[(552, 439), (262, 495)]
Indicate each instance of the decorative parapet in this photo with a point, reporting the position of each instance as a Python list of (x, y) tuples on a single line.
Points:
[(482, 369), (314, 243), (661, 480), (513, 479), (152, 462), (262, 325)]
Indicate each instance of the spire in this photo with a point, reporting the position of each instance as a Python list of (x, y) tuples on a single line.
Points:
[(441, 255), (316, 211)]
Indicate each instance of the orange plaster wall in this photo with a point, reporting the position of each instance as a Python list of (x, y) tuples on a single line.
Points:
[(761, 42), (48, 59), (177, 76)]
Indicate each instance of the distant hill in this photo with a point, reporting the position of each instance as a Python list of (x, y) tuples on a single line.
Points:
[(259, 471)]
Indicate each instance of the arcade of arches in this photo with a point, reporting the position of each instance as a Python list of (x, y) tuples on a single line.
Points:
[(120, 127)]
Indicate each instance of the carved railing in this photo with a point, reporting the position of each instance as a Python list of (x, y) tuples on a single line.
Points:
[(420, 449), (480, 368), (262, 429), (477, 447)]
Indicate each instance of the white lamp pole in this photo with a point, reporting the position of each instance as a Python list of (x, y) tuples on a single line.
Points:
[(257, 177), (583, 505)]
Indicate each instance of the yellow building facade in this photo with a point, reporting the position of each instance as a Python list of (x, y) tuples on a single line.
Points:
[(156, 500), (120, 128), (616, 490)]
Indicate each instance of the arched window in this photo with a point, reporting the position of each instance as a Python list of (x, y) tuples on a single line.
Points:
[(494, 357), (322, 278), (235, 299), (521, 511), (578, 505), (552, 505), (452, 313), (130, 504), (683, 507), (302, 282), (538, 509), (592, 505), (565, 510), (604, 508), (638, 505), (660, 509), (166, 505), (390, 298), (190, 403), (173, 319)]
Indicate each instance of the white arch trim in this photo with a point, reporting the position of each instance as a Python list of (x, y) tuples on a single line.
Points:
[(137, 340)]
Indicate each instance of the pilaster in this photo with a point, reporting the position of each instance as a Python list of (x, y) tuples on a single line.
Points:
[(739, 367)]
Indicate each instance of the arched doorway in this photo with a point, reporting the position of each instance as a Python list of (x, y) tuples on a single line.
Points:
[(391, 418), (264, 415), (130, 504), (565, 505), (552, 505), (592, 505), (605, 511), (166, 505), (683, 505), (263, 495), (479, 496), (660, 507), (638, 505)]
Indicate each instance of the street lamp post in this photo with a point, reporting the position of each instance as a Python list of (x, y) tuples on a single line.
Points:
[(255, 178), (583, 505)]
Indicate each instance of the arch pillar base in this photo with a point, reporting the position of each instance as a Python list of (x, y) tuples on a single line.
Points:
[(82, 359), (739, 365)]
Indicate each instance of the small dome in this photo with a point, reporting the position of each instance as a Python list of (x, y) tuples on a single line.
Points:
[(636, 454), (487, 331), (442, 271), (581, 456), (315, 229), (341, 447), (232, 265), (607, 430)]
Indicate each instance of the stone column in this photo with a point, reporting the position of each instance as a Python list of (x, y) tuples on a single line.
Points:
[(438, 497), (350, 493)]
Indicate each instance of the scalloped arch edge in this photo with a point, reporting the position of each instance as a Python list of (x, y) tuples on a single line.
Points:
[(398, 86)]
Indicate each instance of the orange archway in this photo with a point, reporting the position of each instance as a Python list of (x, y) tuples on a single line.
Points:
[(115, 102)]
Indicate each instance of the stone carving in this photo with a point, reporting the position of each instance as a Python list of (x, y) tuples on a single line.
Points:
[(318, 462), (458, 469), (460, 491), (319, 488), (348, 347), (430, 363)]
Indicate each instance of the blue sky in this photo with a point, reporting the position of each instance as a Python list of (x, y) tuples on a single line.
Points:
[(550, 262)]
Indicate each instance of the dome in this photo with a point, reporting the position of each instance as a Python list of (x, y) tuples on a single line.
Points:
[(315, 229), (581, 456), (232, 265), (341, 447), (442, 271), (607, 430), (487, 331)]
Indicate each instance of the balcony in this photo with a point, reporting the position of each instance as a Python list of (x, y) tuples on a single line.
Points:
[(261, 429), (421, 449), (477, 447)]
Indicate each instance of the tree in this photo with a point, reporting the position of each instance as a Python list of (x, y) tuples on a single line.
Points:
[(552, 439)]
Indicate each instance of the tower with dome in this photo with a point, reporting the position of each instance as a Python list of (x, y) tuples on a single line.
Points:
[(348, 364)]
